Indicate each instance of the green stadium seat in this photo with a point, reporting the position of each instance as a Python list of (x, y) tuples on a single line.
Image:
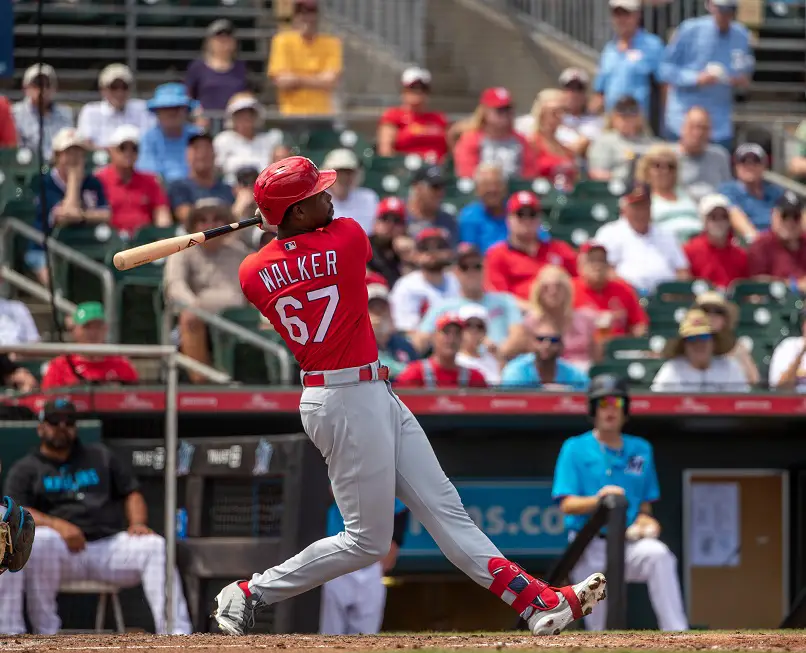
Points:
[(677, 292), (591, 189), (573, 234), (386, 184), (763, 323), (99, 243), (631, 348), (639, 373), (599, 210), (666, 315), (330, 139)]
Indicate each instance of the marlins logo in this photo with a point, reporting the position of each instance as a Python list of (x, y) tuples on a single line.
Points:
[(289, 245)]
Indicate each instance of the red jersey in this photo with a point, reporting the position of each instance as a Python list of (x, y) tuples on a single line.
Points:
[(429, 374), (769, 256), (418, 133), (132, 204), (109, 369), (617, 298), (720, 266), (511, 270), (312, 288)]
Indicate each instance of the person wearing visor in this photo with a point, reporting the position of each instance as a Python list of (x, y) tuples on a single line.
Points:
[(696, 360), (411, 128), (91, 525), (706, 62), (606, 461)]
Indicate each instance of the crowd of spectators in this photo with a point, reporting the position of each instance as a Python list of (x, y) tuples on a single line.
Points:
[(489, 290)]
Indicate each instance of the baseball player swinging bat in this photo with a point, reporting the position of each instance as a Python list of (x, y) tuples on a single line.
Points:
[(310, 282), (136, 256)]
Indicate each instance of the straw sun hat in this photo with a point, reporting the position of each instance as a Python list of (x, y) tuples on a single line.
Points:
[(696, 323)]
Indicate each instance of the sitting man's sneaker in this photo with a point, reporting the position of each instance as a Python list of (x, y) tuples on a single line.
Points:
[(547, 610), (575, 602), (235, 608)]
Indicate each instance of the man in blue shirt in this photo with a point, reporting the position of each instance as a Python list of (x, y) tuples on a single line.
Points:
[(629, 62), (605, 461), (353, 604), (504, 315), (483, 222), (202, 180), (162, 149), (752, 197), (707, 59), (544, 368)]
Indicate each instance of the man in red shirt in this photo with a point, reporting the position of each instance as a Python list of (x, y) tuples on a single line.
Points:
[(440, 370), (135, 198), (712, 254), (309, 283), (616, 303), (8, 131), (89, 328), (780, 253), (512, 265)]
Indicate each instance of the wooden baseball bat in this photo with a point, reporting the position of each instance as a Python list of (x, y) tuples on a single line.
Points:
[(150, 252)]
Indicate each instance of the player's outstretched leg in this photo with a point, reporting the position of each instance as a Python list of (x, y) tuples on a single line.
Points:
[(352, 426), (434, 501)]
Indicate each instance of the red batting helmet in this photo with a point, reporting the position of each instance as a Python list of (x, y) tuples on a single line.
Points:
[(287, 182)]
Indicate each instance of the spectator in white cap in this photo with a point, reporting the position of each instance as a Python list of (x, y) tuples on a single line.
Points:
[(411, 128), (136, 198), (97, 121), (217, 75), (242, 143), (72, 197), (350, 200), (473, 352), (39, 86)]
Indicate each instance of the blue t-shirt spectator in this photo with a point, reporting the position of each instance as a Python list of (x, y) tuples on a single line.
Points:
[(629, 72), (521, 372), (698, 44), (585, 466), (188, 191), (213, 88), (502, 314), (757, 209), (480, 228), (165, 157)]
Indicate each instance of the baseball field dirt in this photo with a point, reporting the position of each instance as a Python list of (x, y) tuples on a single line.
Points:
[(575, 641)]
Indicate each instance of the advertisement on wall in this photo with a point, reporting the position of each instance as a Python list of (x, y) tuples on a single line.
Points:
[(518, 516)]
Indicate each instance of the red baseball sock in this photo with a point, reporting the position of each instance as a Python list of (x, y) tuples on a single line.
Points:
[(244, 585), (520, 590)]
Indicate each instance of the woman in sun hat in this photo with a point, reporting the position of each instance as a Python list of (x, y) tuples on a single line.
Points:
[(697, 360)]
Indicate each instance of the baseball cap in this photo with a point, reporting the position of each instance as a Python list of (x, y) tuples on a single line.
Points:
[(88, 312), (220, 26), (241, 101), (496, 98), (432, 175), (627, 5), (591, 245), (432, 232), (393, 205), (377, 291), (574, 75), (750, 149), (790, 203), (524, 199), (415, 75), (170, 96), (67, 138), (711, 202), (473, 311), (341, 159), (125, 134), (57, 409), (114, 72), (447, 319), (202, 134), (39, 70)]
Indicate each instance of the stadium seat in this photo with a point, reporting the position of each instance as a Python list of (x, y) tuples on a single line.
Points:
[(573, 234), (97, 243), (630, 348), (763, 323), (665, 317), (639, 373), (598, 210), (385, 183), (330, 139), (591, 189), (677, 292)]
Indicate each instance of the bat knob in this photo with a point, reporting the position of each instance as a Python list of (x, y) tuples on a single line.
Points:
[(120, 261)]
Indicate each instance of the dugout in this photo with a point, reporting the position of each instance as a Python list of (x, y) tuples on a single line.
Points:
[(515, 438)]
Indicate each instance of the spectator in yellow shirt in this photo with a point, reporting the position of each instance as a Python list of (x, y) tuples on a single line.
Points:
[(305, 65)]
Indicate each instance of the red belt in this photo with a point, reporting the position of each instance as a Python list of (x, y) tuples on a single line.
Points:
[(318, 380)]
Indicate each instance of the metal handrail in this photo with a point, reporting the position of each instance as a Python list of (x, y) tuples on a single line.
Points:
[(10, 226), (233, 329), (66, 306)]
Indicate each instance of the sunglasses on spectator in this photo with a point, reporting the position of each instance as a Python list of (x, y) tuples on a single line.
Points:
[(554, 340), (749, 159), (615, 402), (506, 109), (476, 325), (628, 113), (128, 147), (392, 217), (41, 82), (119, 86), (55, 420), (528, 214), (470, 267), (620, 12), (664, 165), (419, 86), (718, 214), (700, 338), (714, 310), (433, 246), (795, 217), (576, 86)]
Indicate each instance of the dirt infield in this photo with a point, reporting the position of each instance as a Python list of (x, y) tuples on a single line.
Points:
[(574, 641)]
